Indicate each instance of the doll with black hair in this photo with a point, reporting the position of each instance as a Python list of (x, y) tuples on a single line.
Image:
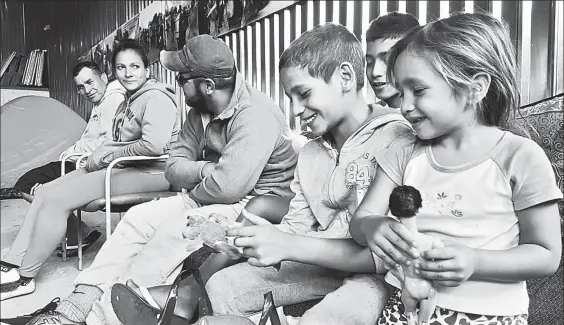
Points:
[(405, 202)]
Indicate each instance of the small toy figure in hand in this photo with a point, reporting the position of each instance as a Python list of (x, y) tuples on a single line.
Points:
[(212, 231), (405, 202)]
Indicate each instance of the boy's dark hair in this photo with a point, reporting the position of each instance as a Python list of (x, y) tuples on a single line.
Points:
[(86, 64), (391, 25), (129, 44), (322, 49)]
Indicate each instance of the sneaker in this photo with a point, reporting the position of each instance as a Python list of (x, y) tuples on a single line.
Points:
[(21, 288), (72, 250), (22, 320), (9, 273), (50, 317), (8, 193)]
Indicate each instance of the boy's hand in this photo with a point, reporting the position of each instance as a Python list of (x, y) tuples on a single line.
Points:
[(390, 240), (262, 242), (449, 266)]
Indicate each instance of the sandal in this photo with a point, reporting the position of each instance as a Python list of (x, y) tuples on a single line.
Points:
[(268, 312), (133, 309)]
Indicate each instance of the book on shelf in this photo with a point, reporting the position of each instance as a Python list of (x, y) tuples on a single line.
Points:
[(22, 70), (6, 62), (34, 68)]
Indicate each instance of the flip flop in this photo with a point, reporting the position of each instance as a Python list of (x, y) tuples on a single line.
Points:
[(133, 309)]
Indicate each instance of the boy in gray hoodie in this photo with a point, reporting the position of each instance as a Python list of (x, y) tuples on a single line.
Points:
[(322, 73)]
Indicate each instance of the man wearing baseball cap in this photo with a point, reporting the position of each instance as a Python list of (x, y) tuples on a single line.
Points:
[(235, 141), (234, 145)]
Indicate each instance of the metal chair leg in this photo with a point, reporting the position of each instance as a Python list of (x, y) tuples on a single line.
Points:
[(64, 247), (79, 236)]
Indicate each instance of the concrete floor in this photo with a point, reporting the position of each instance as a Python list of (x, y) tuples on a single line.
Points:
[(56, 277)]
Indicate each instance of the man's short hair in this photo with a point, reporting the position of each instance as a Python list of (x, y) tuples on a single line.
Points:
[(86, 64), (222, 83), (391, 25), (321, 51)]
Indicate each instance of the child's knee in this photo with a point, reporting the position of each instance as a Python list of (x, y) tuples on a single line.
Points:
[(258, 205), (229, 294), (220, 295), (333, 315), (270, 207)]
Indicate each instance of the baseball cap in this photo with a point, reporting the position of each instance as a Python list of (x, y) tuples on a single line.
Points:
[(202, 56)]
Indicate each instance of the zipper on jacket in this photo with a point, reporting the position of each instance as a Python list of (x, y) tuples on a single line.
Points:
[(335, 155), (206, 130), (120, 127)]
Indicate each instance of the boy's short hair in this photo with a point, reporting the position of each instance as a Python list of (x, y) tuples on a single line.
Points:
[(391, 25), (322, 49)]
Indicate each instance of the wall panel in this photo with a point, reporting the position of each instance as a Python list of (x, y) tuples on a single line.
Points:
[(76, 26), (12, 28), (540, 61)]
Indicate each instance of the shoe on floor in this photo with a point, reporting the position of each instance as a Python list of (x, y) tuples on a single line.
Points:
[(50, 317), (23, 320), (21, 288), (72, 235), (8, 193), (88, 241), (9, 273)]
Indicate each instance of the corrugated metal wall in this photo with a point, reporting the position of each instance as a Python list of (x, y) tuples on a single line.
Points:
[(76, 26), (533, 25), (12, 31)]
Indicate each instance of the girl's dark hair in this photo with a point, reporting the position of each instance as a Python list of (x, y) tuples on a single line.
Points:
[(129, 44)]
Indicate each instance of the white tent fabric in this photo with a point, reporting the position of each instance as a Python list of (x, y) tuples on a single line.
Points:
[(34, 131)]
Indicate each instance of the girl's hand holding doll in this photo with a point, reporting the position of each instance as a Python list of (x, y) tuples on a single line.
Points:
[(390, 240), (448, 266)]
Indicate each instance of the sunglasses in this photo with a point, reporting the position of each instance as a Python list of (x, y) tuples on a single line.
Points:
[(183, 80)]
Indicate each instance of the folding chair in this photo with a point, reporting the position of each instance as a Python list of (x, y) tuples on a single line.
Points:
[(116, 203), (63, 159), (109, 203)]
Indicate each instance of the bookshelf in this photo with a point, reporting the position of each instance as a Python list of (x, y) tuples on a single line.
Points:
[(24, 75), (27, 71)]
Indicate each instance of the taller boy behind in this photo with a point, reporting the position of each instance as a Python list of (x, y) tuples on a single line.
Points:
[(381, 35)]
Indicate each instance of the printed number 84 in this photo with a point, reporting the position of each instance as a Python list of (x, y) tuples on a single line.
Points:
[(360, 177)]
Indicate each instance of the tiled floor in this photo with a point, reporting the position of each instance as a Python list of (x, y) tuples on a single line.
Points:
[(56, 277)]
